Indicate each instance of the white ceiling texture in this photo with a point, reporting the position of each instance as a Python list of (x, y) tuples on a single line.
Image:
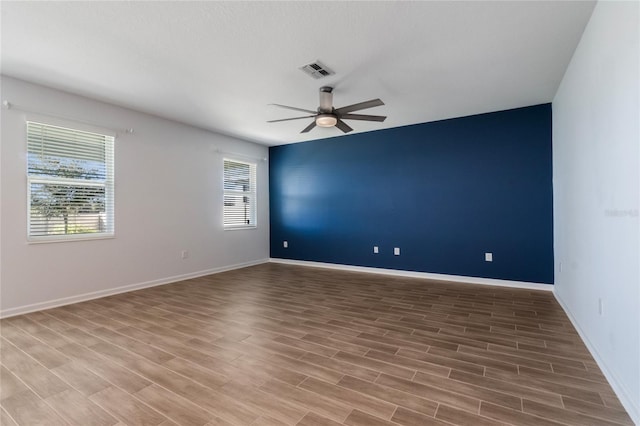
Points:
[(218, 65)]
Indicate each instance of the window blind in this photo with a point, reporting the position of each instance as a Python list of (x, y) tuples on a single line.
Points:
[(70, 177), (239, 184)]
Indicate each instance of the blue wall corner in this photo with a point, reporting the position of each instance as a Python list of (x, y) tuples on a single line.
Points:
[(444, 192)]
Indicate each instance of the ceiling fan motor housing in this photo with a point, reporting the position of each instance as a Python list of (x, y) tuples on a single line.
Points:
[(326, 100)]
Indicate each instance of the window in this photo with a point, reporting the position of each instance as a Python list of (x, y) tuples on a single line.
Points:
[(69, 183), (239, 194)]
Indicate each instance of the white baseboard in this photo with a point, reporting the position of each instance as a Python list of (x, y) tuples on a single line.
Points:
[(425, 275), (618, 387), (123, 289)]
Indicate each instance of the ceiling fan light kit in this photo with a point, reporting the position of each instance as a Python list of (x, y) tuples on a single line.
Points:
[(328, 116), (326, 120)]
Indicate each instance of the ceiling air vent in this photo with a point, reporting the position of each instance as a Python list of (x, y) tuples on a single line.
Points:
[(317, 70)]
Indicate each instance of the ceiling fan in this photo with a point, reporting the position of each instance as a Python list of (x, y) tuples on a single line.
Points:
[(328, 116)]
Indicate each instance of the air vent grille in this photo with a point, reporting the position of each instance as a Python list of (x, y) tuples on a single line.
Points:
[(317, 70)]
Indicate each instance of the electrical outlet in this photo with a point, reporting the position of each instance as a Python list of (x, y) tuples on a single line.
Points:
[(184, 254), (488, 257), (375, 249), (396, 251), (285, 244)]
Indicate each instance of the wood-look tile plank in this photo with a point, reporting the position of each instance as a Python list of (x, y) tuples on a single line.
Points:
[(473, 391), (594, 376), (306, 346), (155, 373), (196, 373), (341, 366), (27, 408), (514, 357), (149, 352), (221, 422), (405, 417), (430, 392), (316, 324), (106, 369), (417, 363), (557, 388), (564, 416), (263, 368), (211, 349), (359, 418), (78, 410), (513, 417), (409, 344), (460, 417), (228, 407), (611, 400), (572, 352), (173, 406), (507, 387), (358, 400), (319, 404), (39, 351), (389, 394), (373, 364), (530, 359), (80, 337), (565, 380), (336, 344), (9, 384), (606, 413), (50, 337), (80, 378), (313, 419), (265, 403), (453, 338), (305, 368), (460, 360), (21, 322), (33, 374), (126, 408), (265, 421), (5, 418), (382, 347)]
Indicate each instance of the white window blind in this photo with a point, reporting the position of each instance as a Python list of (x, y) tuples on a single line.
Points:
[(239, 194), (70, 183)]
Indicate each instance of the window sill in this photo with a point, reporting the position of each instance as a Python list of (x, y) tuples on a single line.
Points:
[(239, 228), (68, 239)]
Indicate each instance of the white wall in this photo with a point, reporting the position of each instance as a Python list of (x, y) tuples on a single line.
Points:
[(168, 198), (596, 184)]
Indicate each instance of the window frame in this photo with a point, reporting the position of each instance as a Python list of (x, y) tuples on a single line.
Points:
[(108, 183), (252, 193)]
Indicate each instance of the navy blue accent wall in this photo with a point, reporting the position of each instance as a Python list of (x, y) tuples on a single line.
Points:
[(444, 192)]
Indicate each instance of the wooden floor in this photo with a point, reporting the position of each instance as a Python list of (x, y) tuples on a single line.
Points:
[(287, 345)]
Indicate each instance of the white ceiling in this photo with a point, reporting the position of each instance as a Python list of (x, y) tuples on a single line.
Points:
[(217, 65)]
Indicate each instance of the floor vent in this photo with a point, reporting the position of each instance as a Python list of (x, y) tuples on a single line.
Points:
[(317, 70)]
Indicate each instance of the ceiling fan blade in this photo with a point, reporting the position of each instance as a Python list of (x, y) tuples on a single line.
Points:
[(295, 109), (326, 99), (343, 126), (362, 105), (309, 127), (288, 119), (363, 117)]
